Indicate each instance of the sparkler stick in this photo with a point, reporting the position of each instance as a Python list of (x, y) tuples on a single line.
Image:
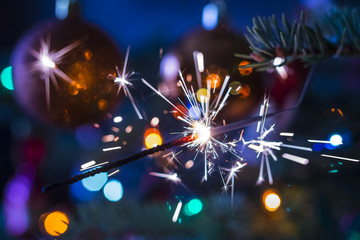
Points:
[(118, 163)]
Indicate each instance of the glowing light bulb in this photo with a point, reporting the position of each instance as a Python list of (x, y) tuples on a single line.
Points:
[(47, 62)]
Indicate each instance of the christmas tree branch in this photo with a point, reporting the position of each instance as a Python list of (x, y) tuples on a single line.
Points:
[(301, 41)]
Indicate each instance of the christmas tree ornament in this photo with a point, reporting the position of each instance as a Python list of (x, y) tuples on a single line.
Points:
[(60, 73)]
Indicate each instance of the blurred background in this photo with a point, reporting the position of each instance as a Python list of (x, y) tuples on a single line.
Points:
[(316, 201)]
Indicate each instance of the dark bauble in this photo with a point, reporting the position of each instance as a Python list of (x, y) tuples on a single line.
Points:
[(89, 96)]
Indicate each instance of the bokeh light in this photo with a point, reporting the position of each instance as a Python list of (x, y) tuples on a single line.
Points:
[(16, 218), (245, 71), (154, 121), (56, 223), (214, 80), (118, 119), (113, 191), (6, 78), (128, 129), (62, 9), (235, 88), (202, 95), (169, 67), (152, 138), (336, 140), (15, 208), (17, 190), (189, 164), (176, 112), (193, 207), (271, 200), (210, 16), (96, 182)]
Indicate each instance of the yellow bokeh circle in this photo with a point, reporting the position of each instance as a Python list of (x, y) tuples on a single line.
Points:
[(56, 223)]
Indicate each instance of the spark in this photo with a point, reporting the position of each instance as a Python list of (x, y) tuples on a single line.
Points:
[(286, 134), (297, 147), (231, 176), (303, 161), (199, 122), (172, 177), (338, 157), (88, 164), (111, 148), (92, 166), (173, 157), (114, 172), (266, 148), (199, 66), (177, 212), (48, 61), (122, 79), (318, 141)]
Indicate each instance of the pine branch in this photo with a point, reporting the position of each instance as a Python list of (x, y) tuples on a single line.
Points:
[(300, 41)]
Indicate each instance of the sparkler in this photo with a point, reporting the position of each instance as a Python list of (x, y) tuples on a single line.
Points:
[(172, 177), (122, 79), (200, 131), (199, 134), (200, 117), (47, 62)]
